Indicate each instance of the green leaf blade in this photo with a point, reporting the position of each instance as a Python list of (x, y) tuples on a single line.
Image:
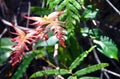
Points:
[(50, 42), (80, 58), (90, 69), (90, 12), (107, 47), (50, 72)]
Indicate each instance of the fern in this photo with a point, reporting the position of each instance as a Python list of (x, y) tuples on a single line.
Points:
[(80, 58), (75, 63), (71, 7), (107, 47), (50, 72), (90, 69), (25, 63)]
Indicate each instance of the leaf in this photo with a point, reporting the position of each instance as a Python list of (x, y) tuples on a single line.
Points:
[(39, 11), (5, 49), (76, 4), (52, 3), (90, 12), (72, 77), (4, 54), (90, 32), (25, 63), (50, 72), (89, 78), (80, 58), (82, 1), (63, 4), (6, 43), (68, 55), (107, 47), (71, 8), (90, 69), (50, 42)]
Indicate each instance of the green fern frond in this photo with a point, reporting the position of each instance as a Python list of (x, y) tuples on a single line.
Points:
[(53, 3), (25, 63), (107, 47), (71, 7)]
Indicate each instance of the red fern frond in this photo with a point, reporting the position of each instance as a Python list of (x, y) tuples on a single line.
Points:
[(44, 25), (53, 24)]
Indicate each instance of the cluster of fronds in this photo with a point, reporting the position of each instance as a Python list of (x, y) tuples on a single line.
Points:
[(43, 25), (71, 7)]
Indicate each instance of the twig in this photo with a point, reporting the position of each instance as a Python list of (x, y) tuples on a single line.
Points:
[(3, 8), (15, 20), (29, 5), (9, 24), (55, 54), (43, 3), (97, 59), (113, 6), (4, 31), (51, 64), (111, 72)]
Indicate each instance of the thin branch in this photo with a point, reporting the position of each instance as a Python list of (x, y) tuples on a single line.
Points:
[(4, 8), (113, 6), (4, 31), (55, 54), (97, 59), (15, 20), (51, 64), (29, 5), (9, 24), (111, 72)]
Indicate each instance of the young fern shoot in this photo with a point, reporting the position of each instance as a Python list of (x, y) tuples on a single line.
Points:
[(44, 25)]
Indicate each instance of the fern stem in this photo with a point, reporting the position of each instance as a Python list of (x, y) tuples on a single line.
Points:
[(111, 72), (97, 59)]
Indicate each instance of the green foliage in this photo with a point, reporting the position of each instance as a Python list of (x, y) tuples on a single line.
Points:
[(72, 77), (90, 12), (90, 69), (80, 58), (75, 63), (71, 15), (107, 47), (73, 55), (93, 33), (6, 43), (67, 55), (50, 72), (40, 11), (82, 1), (25, 63), (50, 42), (5, 48)]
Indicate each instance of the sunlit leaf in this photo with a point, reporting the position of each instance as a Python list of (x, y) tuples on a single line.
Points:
[(90, 32), (90, 12), (23, 66), (107, 47), (50, 42), (6, 43), (40, 11), (50, 72), (80, 58), (72, 77), (90, 69), (5, 49)]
